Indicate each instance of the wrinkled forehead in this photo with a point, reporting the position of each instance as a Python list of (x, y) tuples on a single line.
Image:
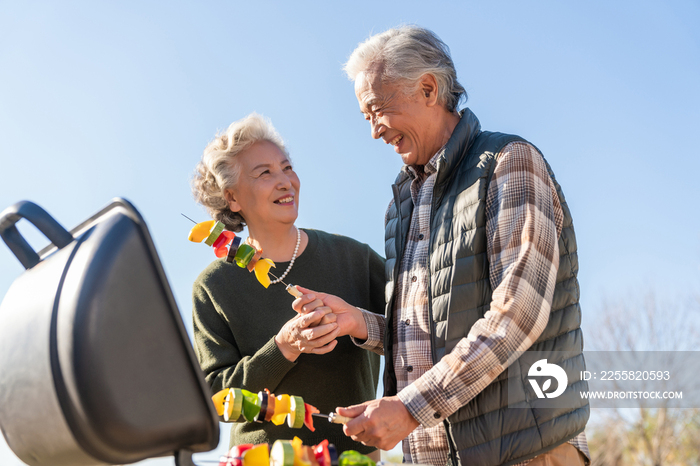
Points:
[(368, 87), (369, 77)]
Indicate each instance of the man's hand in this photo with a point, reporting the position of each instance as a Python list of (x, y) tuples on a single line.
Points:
[(381, 423), (349, 318)]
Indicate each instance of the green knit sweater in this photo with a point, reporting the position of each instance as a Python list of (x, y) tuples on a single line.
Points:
[(236, 320)]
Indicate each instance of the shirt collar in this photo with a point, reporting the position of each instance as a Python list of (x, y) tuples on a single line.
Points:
[(428, 169)]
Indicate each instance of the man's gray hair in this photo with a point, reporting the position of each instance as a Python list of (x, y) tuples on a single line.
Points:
[(405, 54), (218, 170)]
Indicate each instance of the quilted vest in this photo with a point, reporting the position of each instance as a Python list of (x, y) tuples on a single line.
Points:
[(491, 429)]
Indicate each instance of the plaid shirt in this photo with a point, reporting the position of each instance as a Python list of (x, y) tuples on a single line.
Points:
[(523, 223)]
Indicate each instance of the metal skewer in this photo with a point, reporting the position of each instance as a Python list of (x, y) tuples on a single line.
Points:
[(334, 418), (188, 218)]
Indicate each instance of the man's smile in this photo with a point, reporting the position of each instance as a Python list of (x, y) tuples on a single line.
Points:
[(395, 142)]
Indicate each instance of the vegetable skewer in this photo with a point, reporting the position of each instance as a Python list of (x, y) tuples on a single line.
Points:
[(212, 232), (292, 453), (238, 405)]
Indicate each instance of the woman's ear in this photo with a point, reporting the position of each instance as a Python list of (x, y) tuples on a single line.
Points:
[(429, 88), (231, 199)]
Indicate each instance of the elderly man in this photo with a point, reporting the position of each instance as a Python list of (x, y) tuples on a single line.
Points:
[(481, 266)]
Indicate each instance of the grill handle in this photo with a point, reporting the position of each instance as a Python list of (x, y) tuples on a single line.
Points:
[(38, 217)]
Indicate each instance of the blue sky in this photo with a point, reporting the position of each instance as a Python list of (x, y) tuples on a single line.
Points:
[(99, 100)]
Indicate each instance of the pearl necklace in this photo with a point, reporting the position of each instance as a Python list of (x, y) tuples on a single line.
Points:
[(291, 263)]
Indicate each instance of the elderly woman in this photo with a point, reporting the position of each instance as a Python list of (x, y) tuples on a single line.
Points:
[(249, 337)]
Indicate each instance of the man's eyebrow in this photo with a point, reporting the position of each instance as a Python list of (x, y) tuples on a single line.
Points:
[(368, 105)]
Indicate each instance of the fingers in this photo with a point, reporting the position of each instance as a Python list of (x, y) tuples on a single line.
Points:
[(305, 290), (311, 306), (356, 425), (313, 318), (352, 411), (382, 423), (317, 338), (326, 348), (319, 335), (329, 318), (305, 299)]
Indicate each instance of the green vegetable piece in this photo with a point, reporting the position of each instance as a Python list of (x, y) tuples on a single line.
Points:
[(353, 458), (251, 406), (215, 232), (244, 255)]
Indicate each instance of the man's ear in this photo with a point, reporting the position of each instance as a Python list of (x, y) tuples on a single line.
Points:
[(231, 199), (429, 89)]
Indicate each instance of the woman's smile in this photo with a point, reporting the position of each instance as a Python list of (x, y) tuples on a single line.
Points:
[(286, 200)]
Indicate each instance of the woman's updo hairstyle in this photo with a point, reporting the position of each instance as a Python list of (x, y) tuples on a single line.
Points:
[(218, 170)]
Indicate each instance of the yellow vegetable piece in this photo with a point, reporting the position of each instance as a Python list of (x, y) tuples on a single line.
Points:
[(218, 400), (281, 410), (262, 268), (259, 455), (299, 453), (278, 419), (200, 231)]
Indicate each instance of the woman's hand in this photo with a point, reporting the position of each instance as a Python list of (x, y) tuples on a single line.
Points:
[(349, 318), (305, 333)]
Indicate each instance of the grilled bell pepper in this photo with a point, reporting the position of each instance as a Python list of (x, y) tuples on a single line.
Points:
[(201, 231), (353, 458), (262, 269)]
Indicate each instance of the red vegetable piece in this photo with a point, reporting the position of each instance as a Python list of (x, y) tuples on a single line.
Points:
[(220, 240), (308, 418), (236, 454), (221, 251), (323, 456)]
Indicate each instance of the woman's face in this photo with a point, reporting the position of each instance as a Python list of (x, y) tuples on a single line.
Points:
[(267, 191)]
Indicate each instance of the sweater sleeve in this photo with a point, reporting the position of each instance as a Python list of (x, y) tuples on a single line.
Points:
[(219, 356)]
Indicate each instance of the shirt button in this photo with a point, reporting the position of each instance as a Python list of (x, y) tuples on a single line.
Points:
[(414, 279), (409, 369), (408, 321), (421, 236), (436, 415)]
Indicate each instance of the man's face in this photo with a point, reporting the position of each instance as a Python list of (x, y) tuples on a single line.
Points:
[(403, 120)]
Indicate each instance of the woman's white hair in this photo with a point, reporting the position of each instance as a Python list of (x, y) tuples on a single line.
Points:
[(218, 170), (404, 55)]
